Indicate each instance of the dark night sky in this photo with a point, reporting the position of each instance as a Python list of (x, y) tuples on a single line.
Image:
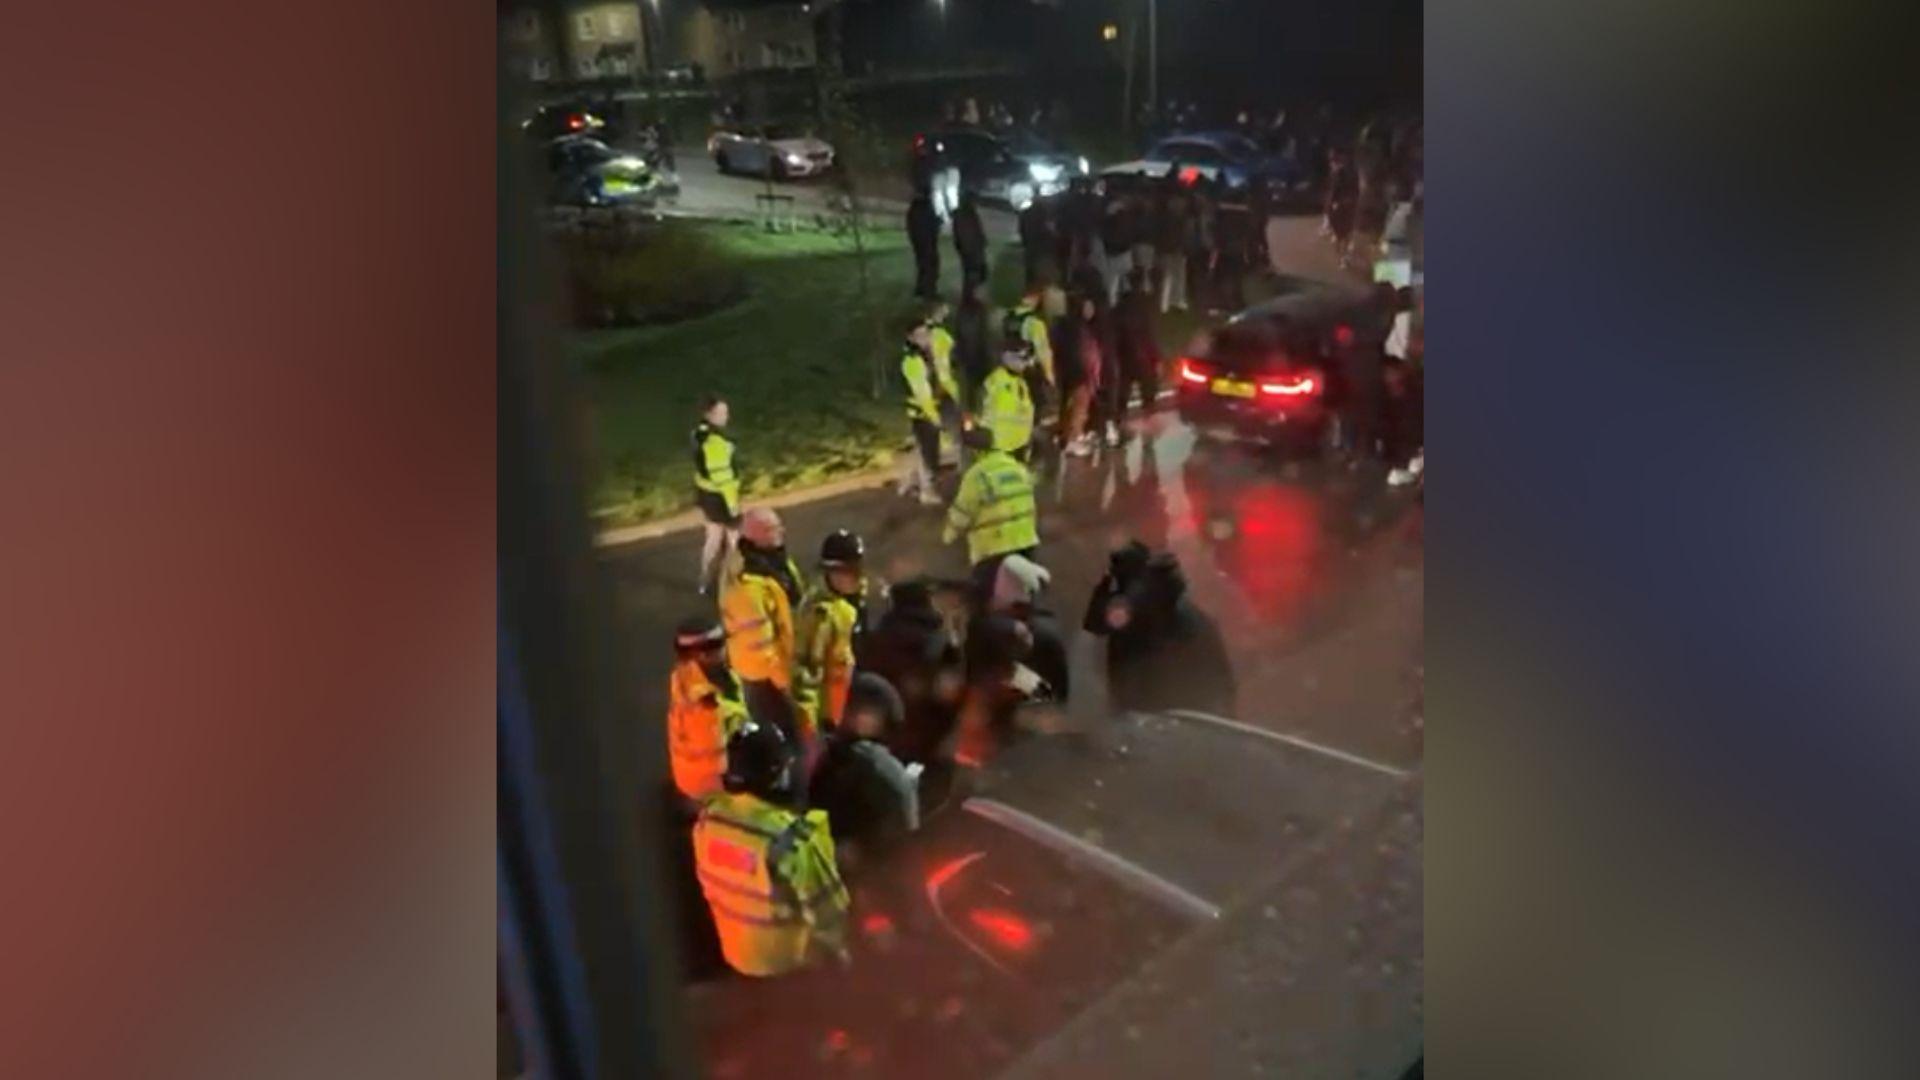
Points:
[(1359, 51)]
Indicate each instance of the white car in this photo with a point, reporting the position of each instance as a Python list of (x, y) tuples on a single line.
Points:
[(774, 150)]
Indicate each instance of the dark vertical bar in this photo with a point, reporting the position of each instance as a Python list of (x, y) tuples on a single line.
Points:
[(587, 957)]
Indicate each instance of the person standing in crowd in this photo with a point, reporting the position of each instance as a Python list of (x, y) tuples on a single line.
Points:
[(1117, 226), (704, 708), (973, 344), (1077, 228), (716, 487), (946, 388), (995, 511), (1148, 208), (1137, 343), (970, 240), (769, 870), (1027, 323), (1365, 375), (871, 800), (1170, 244), (923, 413), (1203, 249), (1039, 242), (1235, 237), (1006, 402), (756, 606), (1343, 192), (923, 232), (831, 622), (1080, 362)]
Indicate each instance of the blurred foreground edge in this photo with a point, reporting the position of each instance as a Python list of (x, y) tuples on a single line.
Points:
[(586, 962)]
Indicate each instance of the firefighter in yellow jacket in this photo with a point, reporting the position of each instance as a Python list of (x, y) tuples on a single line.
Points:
[(768, 871), (704, 708), (831, 623), (756, 605)]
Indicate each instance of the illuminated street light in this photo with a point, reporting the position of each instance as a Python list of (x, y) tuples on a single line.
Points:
[(1109, 32)]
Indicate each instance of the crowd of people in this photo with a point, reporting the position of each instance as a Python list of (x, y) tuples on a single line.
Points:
[(807, 727)]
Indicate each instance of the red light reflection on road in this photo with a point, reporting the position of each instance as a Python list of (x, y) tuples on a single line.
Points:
[(1007, 930), (944, 872), (878, 922)]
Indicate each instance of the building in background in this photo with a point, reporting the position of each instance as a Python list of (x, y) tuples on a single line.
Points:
[(576, 43), (732, 37)]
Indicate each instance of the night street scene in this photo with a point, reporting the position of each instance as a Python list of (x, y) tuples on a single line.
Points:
[(997, 429)]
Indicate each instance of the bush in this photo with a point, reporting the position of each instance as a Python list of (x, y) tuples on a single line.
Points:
[(663, 273)]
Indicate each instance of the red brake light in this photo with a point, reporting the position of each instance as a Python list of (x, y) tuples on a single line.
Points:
[(1343, 335), (1192, 371), (1305, 384)]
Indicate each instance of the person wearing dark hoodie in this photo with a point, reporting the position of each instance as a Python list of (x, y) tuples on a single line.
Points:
[(871, 799), (970, 241), (923, 232)]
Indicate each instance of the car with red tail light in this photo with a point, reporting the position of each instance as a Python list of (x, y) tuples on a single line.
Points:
[(1272, 373)]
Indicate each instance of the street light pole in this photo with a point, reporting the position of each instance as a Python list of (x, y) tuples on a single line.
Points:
[(1153, 56)]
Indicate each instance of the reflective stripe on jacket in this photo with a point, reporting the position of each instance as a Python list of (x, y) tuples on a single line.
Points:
[(701, 717), (994, 508), (759, 622), (713, 465), (1007, 410), (770, 878)]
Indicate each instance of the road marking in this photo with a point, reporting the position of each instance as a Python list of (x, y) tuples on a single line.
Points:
[(1290, 740), (1131, 874)]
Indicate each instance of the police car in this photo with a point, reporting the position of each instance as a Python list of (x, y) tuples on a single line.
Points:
[(1226, 158)]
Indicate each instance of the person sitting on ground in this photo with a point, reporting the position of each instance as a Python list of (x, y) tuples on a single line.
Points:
[(1017, 589), (1163, 652), (871, 800)]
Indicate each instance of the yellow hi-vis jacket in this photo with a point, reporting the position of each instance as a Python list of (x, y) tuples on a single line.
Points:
[(943, 362), (759, 622), (914, 370), (994, 508), (1006, 410), (1033, 330), (713, 465), (770, 877), (701, 717), (823, 670)]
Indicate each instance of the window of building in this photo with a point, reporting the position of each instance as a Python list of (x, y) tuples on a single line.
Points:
[(540, 70), (587, 67), (527, 23), (585, 26), (617, 25), (618, 65)]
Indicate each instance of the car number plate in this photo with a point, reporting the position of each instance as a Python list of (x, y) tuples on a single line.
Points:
[(1232, 388)]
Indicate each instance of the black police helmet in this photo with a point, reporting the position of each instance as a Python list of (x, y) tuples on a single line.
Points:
[(759, 761), (698, 633), (842, 547)]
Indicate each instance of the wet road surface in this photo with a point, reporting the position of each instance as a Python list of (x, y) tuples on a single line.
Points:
[(1276, 785)]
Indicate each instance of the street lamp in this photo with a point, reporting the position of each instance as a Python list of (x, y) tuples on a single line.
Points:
[(1109, 32), (1153, 56)]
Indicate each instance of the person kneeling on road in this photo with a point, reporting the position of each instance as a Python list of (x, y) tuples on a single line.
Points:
[(994, 509), (1162, 651), (768, 870), (1017, 586), (871, 800)]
